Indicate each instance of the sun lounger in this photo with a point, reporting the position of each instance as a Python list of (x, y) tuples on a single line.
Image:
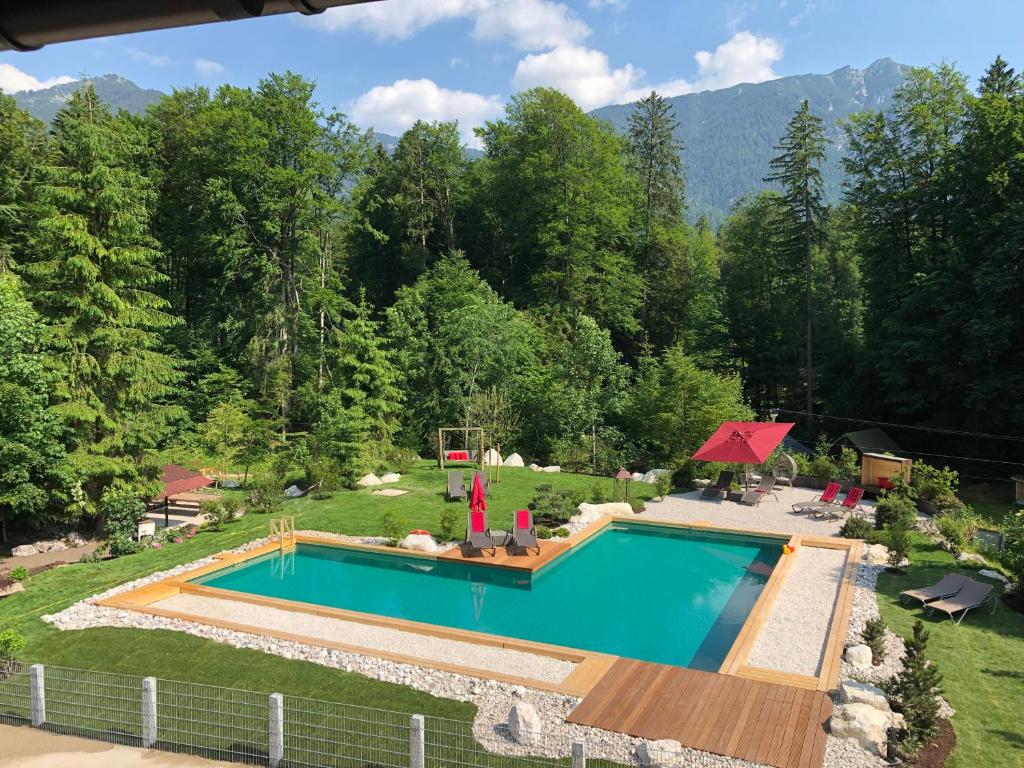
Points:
[(766, 487), (947, 586), (973, 594), (850, 504), (827, 497), (478, 534), (456, 485), (524, 533), (719, 488)]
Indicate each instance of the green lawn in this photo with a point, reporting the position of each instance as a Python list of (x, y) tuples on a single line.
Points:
[(982, 661), (179, 656)]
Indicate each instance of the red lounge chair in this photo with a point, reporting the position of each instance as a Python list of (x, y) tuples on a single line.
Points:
[(827, 498), (478, 534), (850, 504), (524, 533)]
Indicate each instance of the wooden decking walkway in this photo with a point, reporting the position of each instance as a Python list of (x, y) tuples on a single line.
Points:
[(753, 720), (502, 558)]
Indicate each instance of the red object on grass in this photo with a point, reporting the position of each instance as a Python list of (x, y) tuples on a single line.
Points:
[(523, 519), (420, 532), (477, 503), (743, 442)]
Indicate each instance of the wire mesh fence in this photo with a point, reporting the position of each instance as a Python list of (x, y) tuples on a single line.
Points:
[(15, 693), (224, 723)]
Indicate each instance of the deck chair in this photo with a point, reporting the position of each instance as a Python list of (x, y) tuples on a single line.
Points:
[(973, 594), (947, 586), (719, 488), (483, 481), (765, 487), (524, 533), (827, 497), (478, 534), (456, 485), (851, 504)]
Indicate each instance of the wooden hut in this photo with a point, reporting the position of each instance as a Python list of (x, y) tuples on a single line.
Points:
[(878, 469)]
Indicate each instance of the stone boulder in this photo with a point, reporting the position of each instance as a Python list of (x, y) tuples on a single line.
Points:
[(390, 477), (536, 467), (50, 546), (657, 754), (492, 457), (513, 460), (10, 589), (524, 724), (589, 513), (864, 725), (419, 542), (651, 476), (24, 550), (876, 554), (637, 477), (853, 692), (971, 557), (367, 480), (993, 575), (74, 539), (859, 656), (552, 468)]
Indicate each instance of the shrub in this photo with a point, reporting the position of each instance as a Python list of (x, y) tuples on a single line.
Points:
[(663, 485), (562, 532), (551, 506), (845, 467), (638, 505), (448, 520), (231, 506), (958, 528), (874, 638), (92, 557), (892, 509), (11, 644), (265, 495), (899, 544), (856, 528), (120, 544), (20, 574), (121, 510), (914, 691), (403, 459), (932, 482), (214, 514), (543, 532), (1012, 556), (947, 504), (598, 494), (392, 526)]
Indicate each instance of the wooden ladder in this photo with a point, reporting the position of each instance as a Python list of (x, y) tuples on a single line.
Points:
[(283, 529)]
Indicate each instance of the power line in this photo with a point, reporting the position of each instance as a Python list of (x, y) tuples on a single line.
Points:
[(939, 430)]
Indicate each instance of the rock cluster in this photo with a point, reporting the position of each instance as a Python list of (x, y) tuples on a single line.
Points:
[(68, 541), (864, 716), (371, 479), (419, 542)]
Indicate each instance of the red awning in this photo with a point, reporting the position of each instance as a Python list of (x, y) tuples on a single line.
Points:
[(743, 442), (178, 479)]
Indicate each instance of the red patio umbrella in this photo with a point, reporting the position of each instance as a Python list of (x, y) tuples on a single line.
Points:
[(743, 442), (476, 497)]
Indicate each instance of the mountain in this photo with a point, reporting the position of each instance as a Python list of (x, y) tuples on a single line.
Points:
[(729, 135), (115, 90)]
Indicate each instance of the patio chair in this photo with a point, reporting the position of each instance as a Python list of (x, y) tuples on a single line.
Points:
[(947, 586), (721, 486), (766, 487), (827, 497), (851, 504), (524, 533), (973, 594), (478, 534), (456, 485)]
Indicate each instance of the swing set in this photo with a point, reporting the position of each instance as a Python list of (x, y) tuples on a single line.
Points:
[(465, 454)]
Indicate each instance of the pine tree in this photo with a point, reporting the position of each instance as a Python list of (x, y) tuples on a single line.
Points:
[(22, 142), (652, 152), (93, 278), (1000, 79), (797, 168), (916, 689)]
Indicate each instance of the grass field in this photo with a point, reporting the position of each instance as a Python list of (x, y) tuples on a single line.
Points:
[(982, 661)]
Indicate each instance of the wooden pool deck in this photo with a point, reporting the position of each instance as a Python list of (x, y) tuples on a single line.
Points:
[(504, 558), (752, 720)]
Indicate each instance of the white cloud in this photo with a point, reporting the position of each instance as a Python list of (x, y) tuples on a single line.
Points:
[(455, 62), (525, 24), (208, 68), (615, 5), (153, 59), (393, 108), (13, 80), (743, 58)]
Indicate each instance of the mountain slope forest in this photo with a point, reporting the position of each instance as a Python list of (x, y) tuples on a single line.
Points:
[(245, 275)]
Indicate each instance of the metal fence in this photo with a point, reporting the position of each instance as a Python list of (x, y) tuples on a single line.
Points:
[(258, 728)]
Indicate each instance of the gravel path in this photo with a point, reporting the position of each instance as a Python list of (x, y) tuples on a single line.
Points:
[(373, 638), (793, 638)]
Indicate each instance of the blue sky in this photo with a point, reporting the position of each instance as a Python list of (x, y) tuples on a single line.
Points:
[(388, 63)]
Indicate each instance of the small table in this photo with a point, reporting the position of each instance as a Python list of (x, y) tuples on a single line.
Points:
[(733, 496), (500, 538)]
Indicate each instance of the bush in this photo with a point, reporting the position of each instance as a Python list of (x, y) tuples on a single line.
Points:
[(265, 495), (11, 644), (392, 526), (947, 504), (874, 638), (598, 494), (448, 520), (894, 509), (403, 459), (845, 468), (958, 528), (554, 507), (20, 574), (932, 482), (216, 514), (856, 528), (119, 544), (1012, 556), (663, 485), (562, 532), (914, 692), (231, 506), (121, 510), (899, 545), (543, 532), (638, 505)]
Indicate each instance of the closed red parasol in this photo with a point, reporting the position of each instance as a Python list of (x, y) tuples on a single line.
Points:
[(476, 497)]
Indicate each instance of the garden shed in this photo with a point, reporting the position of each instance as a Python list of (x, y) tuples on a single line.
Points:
[(868, 441), (878, 469)]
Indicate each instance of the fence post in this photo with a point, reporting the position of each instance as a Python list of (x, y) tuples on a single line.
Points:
[(37, 687), (579, 755), (148, 712), (417, 746), (275, 744)]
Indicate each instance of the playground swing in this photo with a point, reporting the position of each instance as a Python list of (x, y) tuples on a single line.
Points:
[(472, 455)]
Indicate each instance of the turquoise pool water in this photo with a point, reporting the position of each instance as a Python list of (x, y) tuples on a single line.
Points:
[(652, 593)]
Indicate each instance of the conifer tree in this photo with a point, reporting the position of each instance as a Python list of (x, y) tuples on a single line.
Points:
[(93, 278), (916, 689), (797, 168), (653, 156), (1000, 78)]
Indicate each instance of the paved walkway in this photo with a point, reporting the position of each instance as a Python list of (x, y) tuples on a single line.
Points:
[(25, 747)]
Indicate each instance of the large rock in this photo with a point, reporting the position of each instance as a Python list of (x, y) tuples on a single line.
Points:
[(863, 724), (524, 724), (24, 550), (419, 542), (656, 754), (589, 513), (367, 480), (390, 477), (993, 575), (50, 546), (10, 589), (971, 557), (552, 468), (492, 457), (859, 656), (651, 476), (853, 692), (74, 539), (513, 460), (536, 467), (877, 554)]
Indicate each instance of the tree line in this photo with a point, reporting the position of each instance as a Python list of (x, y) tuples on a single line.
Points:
[(249, 273)]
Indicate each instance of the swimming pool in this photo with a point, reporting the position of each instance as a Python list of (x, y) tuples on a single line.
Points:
[(648, 592)]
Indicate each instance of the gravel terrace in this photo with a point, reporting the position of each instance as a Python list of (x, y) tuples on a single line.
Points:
[(372, 638), (793, 638)]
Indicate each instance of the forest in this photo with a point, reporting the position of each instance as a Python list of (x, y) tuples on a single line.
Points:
[(247, 276)]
